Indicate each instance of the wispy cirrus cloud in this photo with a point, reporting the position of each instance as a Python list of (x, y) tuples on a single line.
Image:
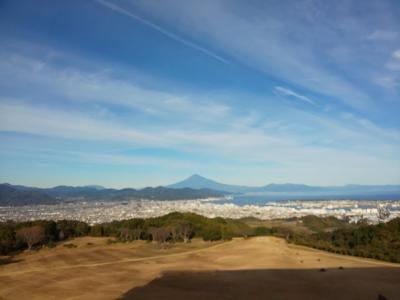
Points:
[(390, 77), (325, 48), (40, 120), (394, 63), (103, 108), (288, 147), (290, 93), (290, 153), (264, 42), (396, 54), (46, 80), (369, 126), (382, 35), (162, 30)]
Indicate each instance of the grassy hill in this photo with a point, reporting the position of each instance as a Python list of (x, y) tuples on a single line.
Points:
[(256, 268), (380, 241)]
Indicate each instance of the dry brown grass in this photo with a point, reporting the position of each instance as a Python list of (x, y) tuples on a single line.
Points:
[(261, 268)]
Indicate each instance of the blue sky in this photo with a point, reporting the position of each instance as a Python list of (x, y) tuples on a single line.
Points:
[(138, 93)]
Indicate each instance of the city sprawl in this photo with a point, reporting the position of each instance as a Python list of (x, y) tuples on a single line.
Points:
[(100, 212)]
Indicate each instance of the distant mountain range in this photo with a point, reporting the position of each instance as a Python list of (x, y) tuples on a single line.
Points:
[(13, 195), (194, 187), (199, 182), (21, 196)]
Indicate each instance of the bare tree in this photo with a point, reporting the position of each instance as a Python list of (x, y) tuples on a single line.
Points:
[(31, 235), (187, 231), (181, 231), (61, 235), (127, 234), (164, 234), (137, 233), (288, 237), (175, 233), (383, 212), (152, 231), (160, 235)]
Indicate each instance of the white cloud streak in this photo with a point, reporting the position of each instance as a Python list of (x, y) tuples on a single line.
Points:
[(396, 54), (266, 43), (293, 139), (382, 35), (163, 31), (290, 93), (236, 144), (38, 120), (98, 87)]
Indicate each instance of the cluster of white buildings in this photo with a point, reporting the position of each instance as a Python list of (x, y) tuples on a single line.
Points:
[(99, 212)]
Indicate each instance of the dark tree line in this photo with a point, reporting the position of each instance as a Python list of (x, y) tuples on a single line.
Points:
[(381, 241), (171, 228)]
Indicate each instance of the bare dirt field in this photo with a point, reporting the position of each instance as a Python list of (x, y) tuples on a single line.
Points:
[(257, 268)]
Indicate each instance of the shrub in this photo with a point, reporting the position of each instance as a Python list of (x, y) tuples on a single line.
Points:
[(212, 233), (262, 231)]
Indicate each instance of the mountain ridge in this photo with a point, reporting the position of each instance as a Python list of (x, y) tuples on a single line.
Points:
[(196, 181), (11, 195)]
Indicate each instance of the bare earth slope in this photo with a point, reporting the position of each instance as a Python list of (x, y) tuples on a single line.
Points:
[(257, 268)]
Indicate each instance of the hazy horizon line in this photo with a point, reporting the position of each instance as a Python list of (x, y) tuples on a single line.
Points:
[(172, 183)]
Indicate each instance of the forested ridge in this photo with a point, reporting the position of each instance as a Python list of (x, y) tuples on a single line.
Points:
[(381, 241)]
